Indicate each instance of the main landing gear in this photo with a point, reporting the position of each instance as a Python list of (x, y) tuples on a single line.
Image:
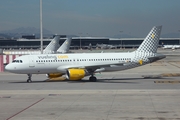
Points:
[(29, 78), (92, 79)]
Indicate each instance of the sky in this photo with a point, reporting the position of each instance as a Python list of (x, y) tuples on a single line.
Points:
[(92, 17)]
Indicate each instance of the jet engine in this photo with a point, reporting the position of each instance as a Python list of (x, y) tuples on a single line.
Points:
[(76, 74), (54, 75)]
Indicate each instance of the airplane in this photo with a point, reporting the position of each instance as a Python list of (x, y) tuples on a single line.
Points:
[(176, 47), (52, 46), (105, 46), (78, 65), (171, 47), (64, 48), (167, 46)]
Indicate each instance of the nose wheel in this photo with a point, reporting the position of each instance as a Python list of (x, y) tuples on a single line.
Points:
[(29, 78)]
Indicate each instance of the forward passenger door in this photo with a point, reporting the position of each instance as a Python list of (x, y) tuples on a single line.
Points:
[(31, 62)]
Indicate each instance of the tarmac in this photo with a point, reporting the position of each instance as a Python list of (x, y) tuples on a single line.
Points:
[(150, 92)]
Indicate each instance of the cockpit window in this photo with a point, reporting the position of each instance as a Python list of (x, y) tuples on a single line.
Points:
[(17, 61)]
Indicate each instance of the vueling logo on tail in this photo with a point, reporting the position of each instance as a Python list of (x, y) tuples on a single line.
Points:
[(152, 36)]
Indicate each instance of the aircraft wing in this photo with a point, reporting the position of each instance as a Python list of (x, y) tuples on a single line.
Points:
[(95, 67), (91, 67)]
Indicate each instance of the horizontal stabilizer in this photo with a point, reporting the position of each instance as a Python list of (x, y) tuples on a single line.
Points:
[(157, 57)]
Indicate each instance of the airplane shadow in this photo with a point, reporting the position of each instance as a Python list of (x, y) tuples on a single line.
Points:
[(112, 80), (26, 82)]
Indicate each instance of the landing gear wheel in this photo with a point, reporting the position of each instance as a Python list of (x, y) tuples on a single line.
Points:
[(92, 79), (29, 78)]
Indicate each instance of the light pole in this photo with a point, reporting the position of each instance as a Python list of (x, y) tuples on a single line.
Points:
[(120, 37), (80, 41), (41, 30), (179, 36)]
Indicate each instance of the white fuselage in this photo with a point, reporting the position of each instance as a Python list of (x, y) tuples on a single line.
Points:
[(51, 63)]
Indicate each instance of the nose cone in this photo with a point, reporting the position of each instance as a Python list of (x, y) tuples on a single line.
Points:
[(9, 68)]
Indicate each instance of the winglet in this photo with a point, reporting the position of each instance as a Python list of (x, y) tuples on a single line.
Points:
[(150, 43)]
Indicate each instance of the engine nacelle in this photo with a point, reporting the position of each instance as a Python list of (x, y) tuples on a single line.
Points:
[(76, 74), (54, 75)]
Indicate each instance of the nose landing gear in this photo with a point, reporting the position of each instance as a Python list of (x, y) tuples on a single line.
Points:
[(29, 78)]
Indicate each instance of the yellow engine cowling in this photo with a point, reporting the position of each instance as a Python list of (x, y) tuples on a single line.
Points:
[(76, 74), (54, 75)]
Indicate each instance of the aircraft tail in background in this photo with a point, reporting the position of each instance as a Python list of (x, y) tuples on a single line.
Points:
[(52, 46), (64, 48)]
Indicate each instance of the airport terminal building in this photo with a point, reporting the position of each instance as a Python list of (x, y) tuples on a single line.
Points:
[(83, 42)]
